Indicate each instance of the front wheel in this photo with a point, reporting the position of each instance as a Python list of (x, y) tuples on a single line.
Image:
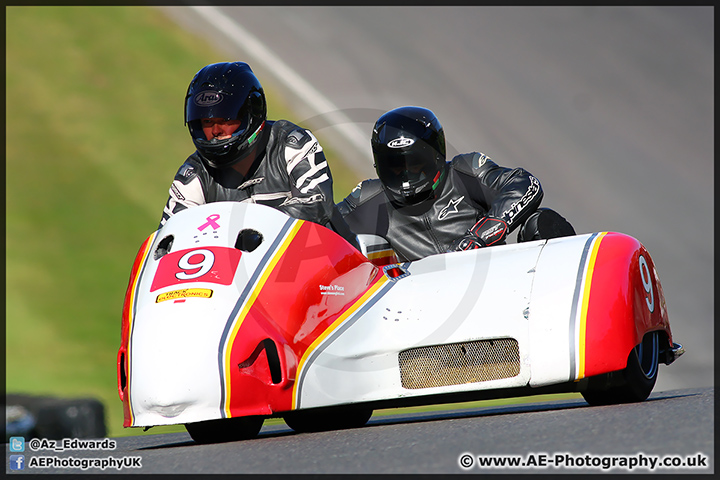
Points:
[(632, 384), (318, 420), (225, 429)]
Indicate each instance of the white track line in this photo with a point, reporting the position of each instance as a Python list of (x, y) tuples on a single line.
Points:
[(316, 101)]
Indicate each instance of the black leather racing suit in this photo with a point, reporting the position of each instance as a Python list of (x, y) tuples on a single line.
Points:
[(291, 175), (475, 187)]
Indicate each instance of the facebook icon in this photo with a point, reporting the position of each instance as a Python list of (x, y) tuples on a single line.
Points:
[(17, 462)]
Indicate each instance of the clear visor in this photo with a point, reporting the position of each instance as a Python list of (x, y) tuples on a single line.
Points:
[(197, 132), (213, 104)]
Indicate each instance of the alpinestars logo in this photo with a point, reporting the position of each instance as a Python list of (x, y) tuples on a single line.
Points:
[(480, 160), (451, 207), (517, 207)]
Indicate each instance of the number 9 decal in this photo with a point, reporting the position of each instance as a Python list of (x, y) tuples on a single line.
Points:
[(647, 283), (209, 264), (200, 268)]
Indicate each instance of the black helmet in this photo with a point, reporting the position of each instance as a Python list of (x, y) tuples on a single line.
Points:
[(230, 91), (408, 145)]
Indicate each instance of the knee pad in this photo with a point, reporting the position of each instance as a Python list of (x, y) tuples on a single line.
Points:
[(543, 224)]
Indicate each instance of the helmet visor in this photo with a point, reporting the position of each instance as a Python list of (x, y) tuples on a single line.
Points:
[(198, 132), (409, 170), (212, 104)]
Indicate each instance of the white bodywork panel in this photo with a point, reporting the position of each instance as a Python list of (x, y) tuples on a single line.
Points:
[(527, 291), (514, 291), (184, 385)]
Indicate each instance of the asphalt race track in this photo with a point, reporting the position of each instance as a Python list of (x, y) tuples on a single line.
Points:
[(610, 107), (565, 436)]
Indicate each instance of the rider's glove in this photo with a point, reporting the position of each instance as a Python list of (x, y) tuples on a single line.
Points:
[(466, 242), (486, 232)]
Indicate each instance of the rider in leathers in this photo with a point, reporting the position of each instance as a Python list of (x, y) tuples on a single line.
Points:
[(274, 163), (423, 205)]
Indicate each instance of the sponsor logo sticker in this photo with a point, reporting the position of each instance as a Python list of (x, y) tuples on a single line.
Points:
[(332, 290), (184, 293)]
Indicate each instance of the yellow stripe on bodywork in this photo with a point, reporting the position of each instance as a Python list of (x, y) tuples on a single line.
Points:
[(585, 302), (131, 314), (269, 267), (347, 314)]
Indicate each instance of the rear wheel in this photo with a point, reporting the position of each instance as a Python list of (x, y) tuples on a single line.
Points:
[(632, 384), (225, 429), (335, 418)]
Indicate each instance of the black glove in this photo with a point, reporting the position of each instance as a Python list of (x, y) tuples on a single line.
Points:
[(466, 242), (486, 232)]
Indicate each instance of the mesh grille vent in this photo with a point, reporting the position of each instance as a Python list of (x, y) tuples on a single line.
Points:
[(459, 363)]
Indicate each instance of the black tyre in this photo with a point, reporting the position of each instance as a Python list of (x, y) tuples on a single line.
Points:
[(225, 429), (632, 384), (319, 420)]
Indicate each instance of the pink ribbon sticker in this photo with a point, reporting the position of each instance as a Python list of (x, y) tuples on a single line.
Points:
[(210, 222)]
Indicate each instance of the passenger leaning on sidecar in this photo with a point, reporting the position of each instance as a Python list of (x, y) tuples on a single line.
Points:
[(424, 205), (242, 156)]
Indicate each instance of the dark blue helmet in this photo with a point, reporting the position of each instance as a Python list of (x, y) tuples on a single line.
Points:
[(408, 145), (231, 91)]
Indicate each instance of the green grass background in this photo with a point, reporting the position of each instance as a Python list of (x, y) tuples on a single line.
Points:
[(94, 136)]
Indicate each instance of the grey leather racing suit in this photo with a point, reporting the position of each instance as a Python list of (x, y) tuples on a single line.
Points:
[(475, 187), (291, 175)]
